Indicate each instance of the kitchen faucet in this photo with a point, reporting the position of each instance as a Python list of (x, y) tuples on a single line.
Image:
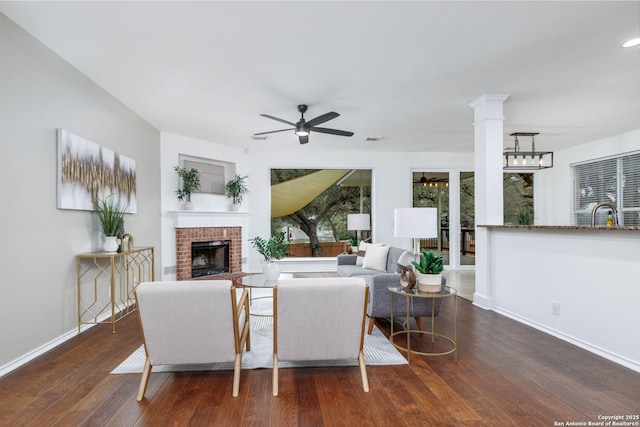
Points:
[(598, 206)]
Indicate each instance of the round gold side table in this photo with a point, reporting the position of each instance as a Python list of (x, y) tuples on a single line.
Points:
[(446, 292)]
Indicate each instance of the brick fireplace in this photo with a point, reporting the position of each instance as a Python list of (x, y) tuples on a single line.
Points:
[(186, 236)]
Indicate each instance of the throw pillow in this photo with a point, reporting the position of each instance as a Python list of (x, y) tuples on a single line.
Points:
[(376, 257), (405, 260)]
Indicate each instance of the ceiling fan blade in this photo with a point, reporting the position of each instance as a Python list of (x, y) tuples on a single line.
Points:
[(272, 131), (332, 131), (277, 119), (323, 118), (304, 139)]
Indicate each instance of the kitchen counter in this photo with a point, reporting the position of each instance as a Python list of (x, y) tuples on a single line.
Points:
[(578, 283), (565, 227)]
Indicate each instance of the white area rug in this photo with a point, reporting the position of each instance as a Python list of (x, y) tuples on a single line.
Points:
[(377, 350)]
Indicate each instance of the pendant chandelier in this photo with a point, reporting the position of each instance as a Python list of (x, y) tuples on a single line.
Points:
[(526, 160)]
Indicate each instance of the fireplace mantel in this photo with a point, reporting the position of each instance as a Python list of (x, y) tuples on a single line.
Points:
[(189, 219)]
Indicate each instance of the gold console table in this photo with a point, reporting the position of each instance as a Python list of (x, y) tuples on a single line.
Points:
[(106, 282)]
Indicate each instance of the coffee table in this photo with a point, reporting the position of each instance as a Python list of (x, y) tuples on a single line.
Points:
[(258, 281)]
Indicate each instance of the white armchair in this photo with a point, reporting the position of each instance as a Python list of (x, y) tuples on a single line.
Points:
[(319, 319), (193, 322)]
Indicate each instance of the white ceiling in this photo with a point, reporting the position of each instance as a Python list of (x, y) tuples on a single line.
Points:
[(402, 71)]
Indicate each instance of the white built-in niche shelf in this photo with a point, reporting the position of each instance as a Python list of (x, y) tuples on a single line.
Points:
[(186, 219)]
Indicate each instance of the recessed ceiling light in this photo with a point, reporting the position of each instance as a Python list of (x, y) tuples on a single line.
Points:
[(259, 137), (632, 42), (371, 138)]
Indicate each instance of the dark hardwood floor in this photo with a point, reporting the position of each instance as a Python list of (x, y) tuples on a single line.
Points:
[(507, 375)]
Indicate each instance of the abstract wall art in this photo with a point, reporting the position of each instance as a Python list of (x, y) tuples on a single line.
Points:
[(88, 172)]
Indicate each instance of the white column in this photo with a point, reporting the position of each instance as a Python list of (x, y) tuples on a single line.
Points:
[(488, 148)]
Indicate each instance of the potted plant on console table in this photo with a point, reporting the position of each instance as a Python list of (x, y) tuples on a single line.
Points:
[(429, 272), (271, 250), (111, 216)]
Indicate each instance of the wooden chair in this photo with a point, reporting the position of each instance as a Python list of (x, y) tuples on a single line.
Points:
[(319, 319), (193, 322)]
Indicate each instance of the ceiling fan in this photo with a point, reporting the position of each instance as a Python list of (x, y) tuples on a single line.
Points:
[(302, 128), (432, 182)]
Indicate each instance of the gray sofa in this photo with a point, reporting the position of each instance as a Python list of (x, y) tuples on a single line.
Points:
[(379, 297)]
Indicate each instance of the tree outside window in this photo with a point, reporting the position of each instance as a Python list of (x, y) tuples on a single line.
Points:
[(311, 207)]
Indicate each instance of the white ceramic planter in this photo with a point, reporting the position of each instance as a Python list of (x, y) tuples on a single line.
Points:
[(111, 244), (430, 283), (271, 271)]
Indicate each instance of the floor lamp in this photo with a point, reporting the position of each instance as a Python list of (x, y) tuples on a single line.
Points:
[(416, 223), (358, 222)]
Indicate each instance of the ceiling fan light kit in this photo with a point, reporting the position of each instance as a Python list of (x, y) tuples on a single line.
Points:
[(632, 43), (432, 182), (303, 128), (301, 131)]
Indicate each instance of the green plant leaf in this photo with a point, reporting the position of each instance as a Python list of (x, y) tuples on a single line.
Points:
[(429, 263), (274, 248), (111, 216), (190, 182), (236, 188)]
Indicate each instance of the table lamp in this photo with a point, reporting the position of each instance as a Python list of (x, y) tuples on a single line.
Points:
[(358, 222), (416, 223)]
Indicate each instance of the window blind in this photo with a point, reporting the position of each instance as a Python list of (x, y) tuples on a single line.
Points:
[(615, 180)]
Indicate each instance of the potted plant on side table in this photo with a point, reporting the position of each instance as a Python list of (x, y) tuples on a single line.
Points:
[(429, 272), (111, 216), (271, 250), (190, 184), (235, 189)]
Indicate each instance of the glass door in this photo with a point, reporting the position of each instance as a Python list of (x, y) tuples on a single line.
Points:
[(431, 190), (467, 219)]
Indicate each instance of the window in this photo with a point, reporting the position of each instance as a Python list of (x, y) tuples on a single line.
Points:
[(311, 206), (614, 180), (431, 190), (518, 198)]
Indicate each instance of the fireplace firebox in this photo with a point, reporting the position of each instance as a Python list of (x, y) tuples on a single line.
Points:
[(210, 258)]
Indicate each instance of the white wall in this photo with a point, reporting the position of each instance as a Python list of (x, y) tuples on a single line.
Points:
[(391, 182), (591, 274), (391, 186), (172, 147), (557, 182), (39, 92)]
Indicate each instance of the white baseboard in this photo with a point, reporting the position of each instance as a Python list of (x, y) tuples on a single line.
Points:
[(482, 301), (616, 358), (39, 351)]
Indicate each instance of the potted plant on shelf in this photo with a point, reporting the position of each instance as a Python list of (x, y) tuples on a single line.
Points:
[(235, 189), (271, 250), (190, 184), (111, 216), (429, 272)]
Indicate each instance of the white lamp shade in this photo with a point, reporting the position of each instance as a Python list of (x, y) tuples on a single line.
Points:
[(358, 222), (418, 223)]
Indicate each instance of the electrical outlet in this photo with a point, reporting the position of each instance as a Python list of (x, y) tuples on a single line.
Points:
[(555, 308)]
